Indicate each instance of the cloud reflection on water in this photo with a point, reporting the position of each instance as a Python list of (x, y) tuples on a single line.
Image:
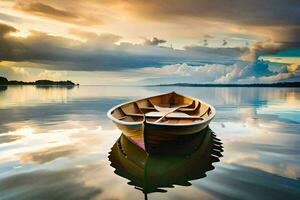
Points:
[(49, 133), (46, 184)]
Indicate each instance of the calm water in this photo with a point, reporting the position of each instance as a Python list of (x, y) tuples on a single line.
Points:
[(55, 143)]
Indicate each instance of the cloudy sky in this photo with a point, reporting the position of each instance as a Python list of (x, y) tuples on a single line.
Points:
[(150, 42)]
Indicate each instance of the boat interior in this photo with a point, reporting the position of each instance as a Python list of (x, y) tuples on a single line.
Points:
[(171, 108)]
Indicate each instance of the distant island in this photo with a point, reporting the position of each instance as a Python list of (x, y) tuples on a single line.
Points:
[(5, 81), (279, 84)]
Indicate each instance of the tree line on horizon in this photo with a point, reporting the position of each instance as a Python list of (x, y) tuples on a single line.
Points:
[(5, 81)]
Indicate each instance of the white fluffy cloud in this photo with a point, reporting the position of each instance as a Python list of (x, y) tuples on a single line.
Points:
[(242, 72)]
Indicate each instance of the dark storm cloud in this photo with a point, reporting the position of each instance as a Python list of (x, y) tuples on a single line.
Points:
[(269, 47), (280, 18), (230, 51), (99, 52), (65, 54), (276, 19), (155, 41), (254, 12)]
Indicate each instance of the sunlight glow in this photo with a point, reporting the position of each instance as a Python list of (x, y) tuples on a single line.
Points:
[(289, 60)]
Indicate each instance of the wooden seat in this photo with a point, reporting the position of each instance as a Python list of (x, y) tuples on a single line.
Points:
[(154, 114), (182, 115), (172, 115), (168, 109)]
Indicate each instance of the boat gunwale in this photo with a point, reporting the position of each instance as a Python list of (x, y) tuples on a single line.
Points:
[(212, 115)]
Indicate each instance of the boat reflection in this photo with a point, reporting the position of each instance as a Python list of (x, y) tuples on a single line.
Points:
[(152, 173)]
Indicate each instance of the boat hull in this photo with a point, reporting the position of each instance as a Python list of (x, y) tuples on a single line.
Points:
[(135, 133), (158, 136), (153, 137)]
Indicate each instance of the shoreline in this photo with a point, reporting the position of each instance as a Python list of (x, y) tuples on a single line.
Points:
[(276, 85)]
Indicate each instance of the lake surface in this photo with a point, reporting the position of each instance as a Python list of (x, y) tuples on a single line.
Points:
[(55, 143)]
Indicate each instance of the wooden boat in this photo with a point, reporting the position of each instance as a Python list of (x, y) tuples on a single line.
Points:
[(153, 173), (157, 120)]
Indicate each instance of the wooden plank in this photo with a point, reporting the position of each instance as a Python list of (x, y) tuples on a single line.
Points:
[(172, 115)]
